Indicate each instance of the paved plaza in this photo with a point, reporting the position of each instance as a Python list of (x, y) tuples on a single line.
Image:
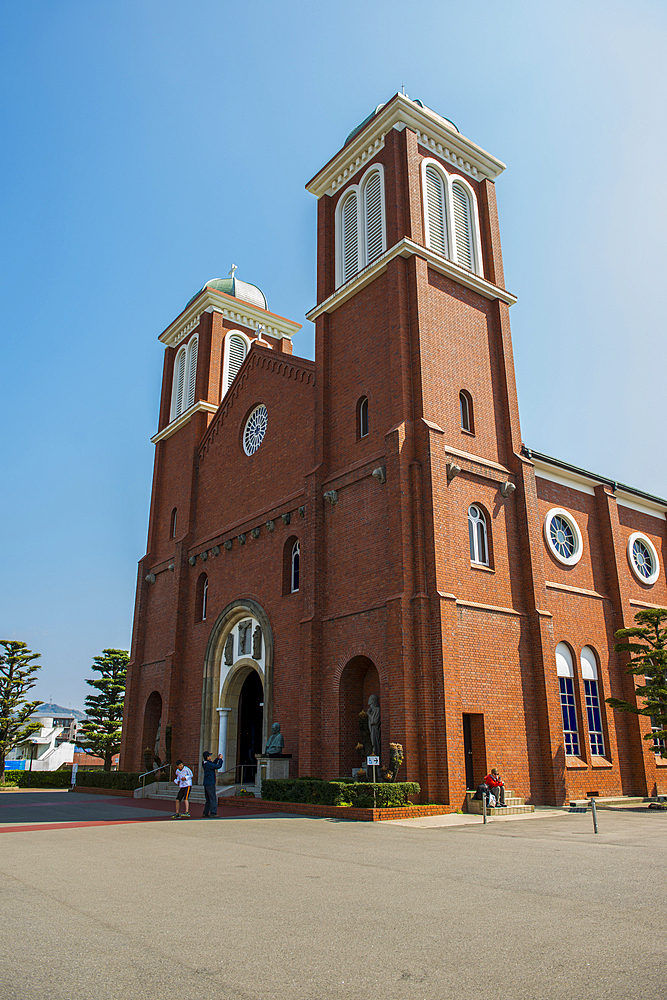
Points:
[(109, 899)]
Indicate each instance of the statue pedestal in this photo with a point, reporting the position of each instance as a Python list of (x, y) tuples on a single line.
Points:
[(271, 767)]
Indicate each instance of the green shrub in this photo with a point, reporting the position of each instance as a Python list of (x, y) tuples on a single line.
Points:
[(127, 780), (340, 792), (39, 779)]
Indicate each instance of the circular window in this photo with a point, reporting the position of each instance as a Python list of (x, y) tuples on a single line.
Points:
[(255, 429), (643, 558), (563, 537)]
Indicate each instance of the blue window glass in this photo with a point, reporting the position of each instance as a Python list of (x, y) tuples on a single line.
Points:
[(569, 710), (594, 718), (562, 537), (642, 558)]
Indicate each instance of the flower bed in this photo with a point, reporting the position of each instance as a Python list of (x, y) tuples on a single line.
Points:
[(333, 812)]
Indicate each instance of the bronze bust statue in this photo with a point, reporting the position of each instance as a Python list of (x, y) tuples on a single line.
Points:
[(275, 742)]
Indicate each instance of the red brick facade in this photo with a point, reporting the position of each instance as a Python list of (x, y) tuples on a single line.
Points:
[(388, 600)]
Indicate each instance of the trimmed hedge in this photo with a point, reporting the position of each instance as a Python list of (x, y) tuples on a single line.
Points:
[(39, 779), (128, 780), (340, 793)]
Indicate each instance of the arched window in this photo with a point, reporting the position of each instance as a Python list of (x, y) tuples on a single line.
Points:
[(201, 603), (589, 672), (192, 371), (178, 383), (184, 383), (294, 576), (373, 218), (349, 237), (172, 525), (291, 565), (360, 225), (451, 223), (235, 352), (568, 705), (362, 412), (464, 250), (479, 549), (436, 219), (465, 405)]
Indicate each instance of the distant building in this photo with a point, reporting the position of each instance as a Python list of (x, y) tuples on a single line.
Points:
[(370, 522), (50, 747)]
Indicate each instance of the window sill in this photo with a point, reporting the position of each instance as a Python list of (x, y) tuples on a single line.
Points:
[(660, 762), (601, 762), (469, 433), (482, 567), (575, 764)]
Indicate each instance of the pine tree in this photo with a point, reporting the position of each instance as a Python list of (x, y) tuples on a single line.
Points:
[(647, 644), (101, 730), (17, 676)]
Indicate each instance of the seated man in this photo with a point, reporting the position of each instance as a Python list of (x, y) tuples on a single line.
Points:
[(496, 787)]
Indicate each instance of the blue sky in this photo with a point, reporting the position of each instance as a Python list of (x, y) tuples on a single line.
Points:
[(148, 145)]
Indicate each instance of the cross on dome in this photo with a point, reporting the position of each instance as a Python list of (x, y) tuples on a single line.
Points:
[(233, 269)]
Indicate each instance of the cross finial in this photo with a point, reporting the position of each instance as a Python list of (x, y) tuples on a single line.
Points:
[(403, 88), (234, 268)]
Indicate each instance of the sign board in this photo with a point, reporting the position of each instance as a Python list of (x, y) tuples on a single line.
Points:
[(373, 761), (75, 768)]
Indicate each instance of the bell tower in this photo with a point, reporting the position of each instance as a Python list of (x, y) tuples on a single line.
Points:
[(416, 381)]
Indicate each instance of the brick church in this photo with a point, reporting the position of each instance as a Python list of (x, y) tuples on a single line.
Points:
[(371, 523)]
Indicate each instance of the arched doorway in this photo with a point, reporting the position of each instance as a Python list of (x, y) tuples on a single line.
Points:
[(250, 725), (150, 738), (358, 682), (236, 695)]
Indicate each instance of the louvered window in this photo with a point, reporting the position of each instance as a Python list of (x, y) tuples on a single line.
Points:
[(238, 349), (435, 208), (179, 383), (373, 221), (192, 372), (463, 227), (350, 238)]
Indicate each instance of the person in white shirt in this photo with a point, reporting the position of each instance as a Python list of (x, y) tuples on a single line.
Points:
[(184, 781)]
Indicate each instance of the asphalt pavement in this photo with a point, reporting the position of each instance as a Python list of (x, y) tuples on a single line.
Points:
[(109, 899)]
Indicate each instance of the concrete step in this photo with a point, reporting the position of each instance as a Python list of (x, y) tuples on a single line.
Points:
[(515, 805), (168, 791), (476, 807)]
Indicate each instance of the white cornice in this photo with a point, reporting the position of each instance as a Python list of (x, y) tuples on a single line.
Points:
[(232, 309), (575, 480), (181, 421), (407, 248), (432, 132), (645, 506)]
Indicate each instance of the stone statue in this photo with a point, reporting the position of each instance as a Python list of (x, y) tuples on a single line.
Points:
[(229, 650), (243, 637), (374, 723), (257, 643), (275, 742), (156, 749)]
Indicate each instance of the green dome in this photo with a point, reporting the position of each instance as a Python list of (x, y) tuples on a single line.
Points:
[(239, 289)]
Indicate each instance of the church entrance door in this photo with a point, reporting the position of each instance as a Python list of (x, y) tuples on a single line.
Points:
[(251, 716)]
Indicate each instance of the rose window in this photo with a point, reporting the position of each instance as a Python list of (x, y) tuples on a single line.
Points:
[(255, 429)]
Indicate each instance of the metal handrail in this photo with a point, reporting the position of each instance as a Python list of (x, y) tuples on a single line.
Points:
[(234, 769), (162, 767)]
